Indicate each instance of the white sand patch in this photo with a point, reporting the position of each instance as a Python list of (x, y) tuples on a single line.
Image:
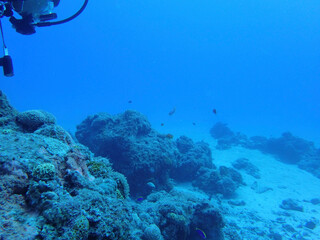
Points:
[(284, 181)]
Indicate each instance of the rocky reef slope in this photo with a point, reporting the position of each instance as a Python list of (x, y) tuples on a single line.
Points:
[(55, 188)]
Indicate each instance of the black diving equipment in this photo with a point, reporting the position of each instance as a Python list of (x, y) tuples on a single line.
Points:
[(36, 13), (33, 13), (6, 61)]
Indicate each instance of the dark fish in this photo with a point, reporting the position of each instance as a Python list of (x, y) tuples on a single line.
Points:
[(201, 233), (162, 124), (193, 123), (129, 101), (214, 111), (140, 199), (170, 136), (172, 111)]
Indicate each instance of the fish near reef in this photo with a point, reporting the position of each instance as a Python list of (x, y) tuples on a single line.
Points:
[(172, 111), (169, 136), (201, 233), (214, 111), (140, 199)]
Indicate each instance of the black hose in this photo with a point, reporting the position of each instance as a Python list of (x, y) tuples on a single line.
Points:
[(46, 24), (3, 42)]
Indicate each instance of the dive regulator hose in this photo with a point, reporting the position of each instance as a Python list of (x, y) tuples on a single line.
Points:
[(46, 24)]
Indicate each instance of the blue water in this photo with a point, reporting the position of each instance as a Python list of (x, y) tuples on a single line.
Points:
[(256, 62)]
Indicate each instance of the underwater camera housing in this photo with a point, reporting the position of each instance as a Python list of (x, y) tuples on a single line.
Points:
[(6, 63), (34, 13)]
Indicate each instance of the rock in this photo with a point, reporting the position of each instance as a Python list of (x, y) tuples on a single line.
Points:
[(315, 201), (55, 131), (33, 119), (311, 224), (288, 228), (212, 182), (226, 138), (245, 164), (221, 131), (275, 236), (7, 113), (258, 188), (237, 203), (134, 149), (287, 148), (184, 144), (6, 110), (152, 232), (189, 162), (232, 174), (290, 204)]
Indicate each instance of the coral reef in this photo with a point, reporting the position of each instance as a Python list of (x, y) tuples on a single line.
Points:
[(181, 212), (287, 148), (134, 149), (33, 119), (54, 188), (147, 159), (224, 181), (192, 157)]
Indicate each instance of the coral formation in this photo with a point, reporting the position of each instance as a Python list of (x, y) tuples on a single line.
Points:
[(33, 119), (287, 148), (53, 188), (44, 171), (192, 156), (224, 181), (134, 149)]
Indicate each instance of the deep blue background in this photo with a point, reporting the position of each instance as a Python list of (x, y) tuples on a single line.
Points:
[(256, 62)]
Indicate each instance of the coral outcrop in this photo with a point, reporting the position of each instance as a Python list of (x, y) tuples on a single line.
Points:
[(147, 158), (287, 148), (54, 188)]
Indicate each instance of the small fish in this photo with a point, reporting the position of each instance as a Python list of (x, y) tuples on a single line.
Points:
[(201, 233), (193, 123), (129, 101), (140, 199), (169, 136), (172, 111), (214, 111), (162, 124)]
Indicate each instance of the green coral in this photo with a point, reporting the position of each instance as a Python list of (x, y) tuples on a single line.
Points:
[(122, 185), (80, 228), (177, 218), (99, 169), (120, 195), (56, 147), (44, 171), (6, 131)]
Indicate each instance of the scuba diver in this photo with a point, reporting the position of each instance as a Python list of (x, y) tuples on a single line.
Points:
[(33, 13)]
